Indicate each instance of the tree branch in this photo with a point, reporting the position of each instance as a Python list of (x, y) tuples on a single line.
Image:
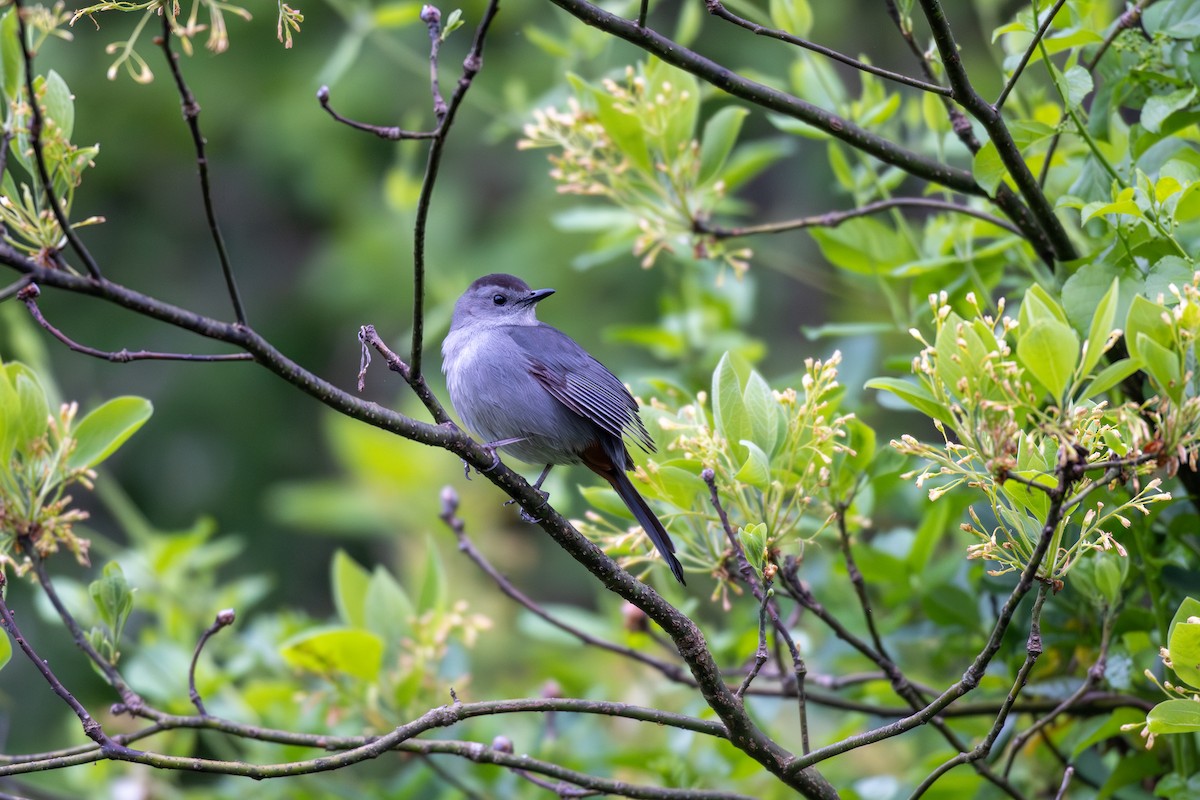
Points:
[(191, 114), (718, 9)]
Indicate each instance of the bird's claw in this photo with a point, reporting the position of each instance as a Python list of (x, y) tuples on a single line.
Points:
[(525, 515)]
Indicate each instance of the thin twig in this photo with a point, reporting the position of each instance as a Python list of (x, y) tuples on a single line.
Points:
[(1095, 675), (91, 727), (28, 295), (471, 66), (369, 336), (449, 515), (15, 287), (191, 115), (717, 9), (1068, 773), (36, 124), (1033, 650), (760, 655), (432, 18), (391, 133), (832, 219), (762, 593), (1028, 54), (224, 618)]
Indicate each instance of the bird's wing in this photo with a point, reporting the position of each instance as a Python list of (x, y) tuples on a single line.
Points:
[(580, 382)]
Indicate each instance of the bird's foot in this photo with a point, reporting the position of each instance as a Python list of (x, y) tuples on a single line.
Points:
[(525, 515)]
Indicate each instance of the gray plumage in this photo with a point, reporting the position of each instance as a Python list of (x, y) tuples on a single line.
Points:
[(533, 391)]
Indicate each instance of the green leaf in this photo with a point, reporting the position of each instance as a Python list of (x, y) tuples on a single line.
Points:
[(1077, 83), (988, 169), (1190, 607), (1146, 317), (754, 545), (864, 246), (101, 432), (624, 129), (350, 583), (1160, 106), (1087, 286), (720, 135), (1109, 377), (1162, 364), (681, 91), (433, 590), (1050, 350), (729, 410), (387, 610), (1178, 20), (1183, 647), (112, 596), (762, 412), (5, 648), (915, 395), (793, 16), (756, 470), (10, 57), (1038, 305), (60, 104), (328, 651), (1101, 327), (1174, 716), (1166, 271), (33, 414)]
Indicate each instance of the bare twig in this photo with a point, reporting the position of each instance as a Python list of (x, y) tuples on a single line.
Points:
[(760, 655), (28, 294), (762, 593), (1033, 649), (449, 515), (471, 66), (223, 619), (1095, 675), (1068, 773), (191, 115), (14, 288), (391, 133), (432, 18), (717, 9), (1028, 54), (369, 336), (36, 124), (832, 219)]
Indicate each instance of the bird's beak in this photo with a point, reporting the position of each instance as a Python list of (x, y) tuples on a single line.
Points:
[(536, 295)]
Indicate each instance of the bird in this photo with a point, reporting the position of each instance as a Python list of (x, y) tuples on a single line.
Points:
[(531, 391)]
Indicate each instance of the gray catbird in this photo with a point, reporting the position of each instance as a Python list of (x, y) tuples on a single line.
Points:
[(532, 391)]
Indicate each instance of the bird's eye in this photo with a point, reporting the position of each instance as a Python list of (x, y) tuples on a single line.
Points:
[(499, 299)]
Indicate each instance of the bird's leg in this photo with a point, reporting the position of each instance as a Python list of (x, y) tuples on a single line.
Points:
[(492, 447), (537, 487)]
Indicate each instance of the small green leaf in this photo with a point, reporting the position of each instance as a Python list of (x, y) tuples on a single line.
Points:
[(1109, 377), (34, 410), (1162, 364), (101, 432), (915, 395), (1174, 716), (1083, 291), (329, 651), (387, 610), (754, 545), (1146, 317), (433, 590), (1050, 350), (1101, 327), (989, 170), (1190, 607), (5, 648), (756, 470), (720, 135), (762, 412), (350, 583), (60, 104), (1166, 271)]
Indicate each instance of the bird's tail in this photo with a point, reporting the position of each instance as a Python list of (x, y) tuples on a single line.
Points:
[(649, 522)]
